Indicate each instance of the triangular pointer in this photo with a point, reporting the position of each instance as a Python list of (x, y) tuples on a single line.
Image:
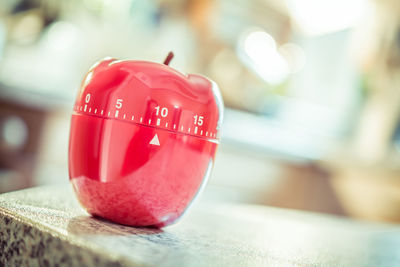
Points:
[(155, 141)]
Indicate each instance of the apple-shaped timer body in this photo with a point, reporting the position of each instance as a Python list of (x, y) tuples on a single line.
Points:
[(142, 141)]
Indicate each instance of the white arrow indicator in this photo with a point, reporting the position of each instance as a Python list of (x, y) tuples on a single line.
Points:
[(155, 141)]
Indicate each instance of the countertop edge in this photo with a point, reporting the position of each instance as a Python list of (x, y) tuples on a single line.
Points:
[(24, 243)]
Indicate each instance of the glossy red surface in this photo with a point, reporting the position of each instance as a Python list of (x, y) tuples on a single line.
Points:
[(139, 152)]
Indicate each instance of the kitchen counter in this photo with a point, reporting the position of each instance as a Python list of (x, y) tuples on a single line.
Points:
[(46, 226)]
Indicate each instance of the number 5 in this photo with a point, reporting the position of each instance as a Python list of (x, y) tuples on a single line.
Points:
[(119, 104), (200, 122)]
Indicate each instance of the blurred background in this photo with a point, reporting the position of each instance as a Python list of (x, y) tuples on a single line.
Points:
[(311, 88)]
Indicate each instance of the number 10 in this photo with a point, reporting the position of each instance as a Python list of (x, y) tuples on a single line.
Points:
[(164, 111)]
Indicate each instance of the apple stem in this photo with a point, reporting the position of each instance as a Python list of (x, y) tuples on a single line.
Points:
[(168, 58)]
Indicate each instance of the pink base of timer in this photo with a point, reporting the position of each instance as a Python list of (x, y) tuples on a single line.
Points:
[(142, 142), (130, 188)]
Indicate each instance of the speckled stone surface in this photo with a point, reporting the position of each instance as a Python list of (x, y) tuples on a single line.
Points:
[(45, 226)]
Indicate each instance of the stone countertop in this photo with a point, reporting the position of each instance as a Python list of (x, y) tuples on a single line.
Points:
[(45, 226)]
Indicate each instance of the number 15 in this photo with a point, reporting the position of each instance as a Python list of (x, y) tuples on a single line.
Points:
[(198, 120)]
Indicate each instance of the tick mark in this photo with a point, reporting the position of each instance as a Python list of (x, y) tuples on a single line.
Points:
[(95, 111), (166, 125), (133, 117)]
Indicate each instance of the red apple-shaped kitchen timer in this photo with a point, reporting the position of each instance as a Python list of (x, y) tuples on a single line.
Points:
[(142, 142)]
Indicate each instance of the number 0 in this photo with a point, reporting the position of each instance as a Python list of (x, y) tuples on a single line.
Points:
[(164, 112), (87, 98)]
